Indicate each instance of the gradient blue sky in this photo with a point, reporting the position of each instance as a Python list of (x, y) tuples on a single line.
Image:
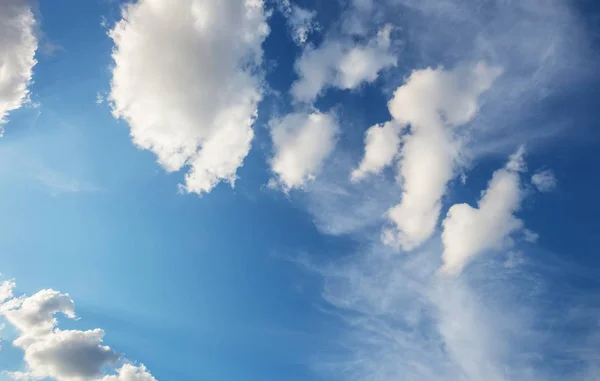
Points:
[(272, 280)]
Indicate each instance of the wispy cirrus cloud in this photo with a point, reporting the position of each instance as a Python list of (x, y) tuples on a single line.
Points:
[(341, 63), (405, 321)]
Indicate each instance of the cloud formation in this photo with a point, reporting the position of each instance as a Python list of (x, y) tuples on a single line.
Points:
[(129, 372), (493, 322), (382, 142), (185, 80), (300, 21), (341, 63), (301, 143), (468, 231), (433, 102), (544, 181), (18, 45), (62, 355)]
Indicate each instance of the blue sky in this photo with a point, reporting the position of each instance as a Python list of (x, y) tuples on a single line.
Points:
[(300, 190)]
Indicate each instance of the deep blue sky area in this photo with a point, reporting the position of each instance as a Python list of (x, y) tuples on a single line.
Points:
[(244, 282)]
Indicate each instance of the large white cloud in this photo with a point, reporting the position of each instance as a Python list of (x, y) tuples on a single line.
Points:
[(69, 355), (468, 231), (62, 355), (18, 45), (184, 79), (341, 63), (301, 143), (432, 102)]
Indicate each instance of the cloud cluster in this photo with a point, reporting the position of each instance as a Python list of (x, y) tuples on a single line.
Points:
[(62, 355), (345, 59), (432, 102), (301, 143), (406, 319), (185, 80), (341, 63), (18, 45)]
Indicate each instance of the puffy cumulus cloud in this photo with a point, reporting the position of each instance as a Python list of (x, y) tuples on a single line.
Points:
[(62, 355), (35, 316), (432, 102), (69, 355), (431, 98), (544, 181), (301, 21), (18, 45), (468, 231), (301, 143), (185, 80), (382, 142), (129, 372), (341, 63)]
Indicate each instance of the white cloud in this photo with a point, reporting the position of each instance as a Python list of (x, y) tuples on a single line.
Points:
[(432, 102), (69, 355), (530, 236), (544, 181), (301, 143), (49, 351), (341, 63), (6, 290), (469, 231), (62, 355), (129, 372), (34, 316), (18, 45), (382, 142), (301, 21), (184, 79)]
